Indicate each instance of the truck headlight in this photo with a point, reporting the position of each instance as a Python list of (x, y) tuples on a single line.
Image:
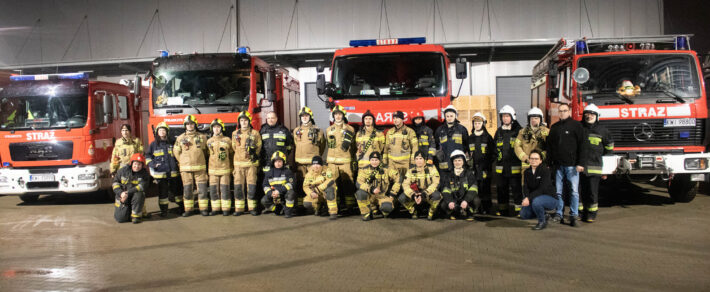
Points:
[(87, 176), (3, 179), (696, 163)]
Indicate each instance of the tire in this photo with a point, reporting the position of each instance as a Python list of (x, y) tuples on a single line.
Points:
[(681, 189), (29, 198)]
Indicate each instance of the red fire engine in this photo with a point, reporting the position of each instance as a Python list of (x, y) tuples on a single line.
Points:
[(219, 85), (651, 96), (387, 75), (58, 131)]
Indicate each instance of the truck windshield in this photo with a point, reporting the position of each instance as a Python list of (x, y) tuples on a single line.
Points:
[(642, 78), (43, 112), (201, 88), (389, 75)]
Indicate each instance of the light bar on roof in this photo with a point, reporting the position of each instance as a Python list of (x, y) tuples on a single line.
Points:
[(82, 75), (387, 42)]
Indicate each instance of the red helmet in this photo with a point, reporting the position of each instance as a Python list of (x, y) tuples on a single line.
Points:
[(138, 157)]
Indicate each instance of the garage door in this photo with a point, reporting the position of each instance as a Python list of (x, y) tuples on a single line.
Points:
[(320, 112), (514, 91)]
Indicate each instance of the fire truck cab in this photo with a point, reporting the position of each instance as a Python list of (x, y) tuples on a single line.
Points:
[(218, 85), (57, 133), (651, 96), (388, 75)]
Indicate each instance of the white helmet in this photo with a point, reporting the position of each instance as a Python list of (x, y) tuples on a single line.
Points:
[(506, 109), (592, 108), (456, 153), (451, 108), (480, 115), (535, 112)]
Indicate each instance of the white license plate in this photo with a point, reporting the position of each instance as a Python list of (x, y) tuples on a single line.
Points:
[(685, 122), (42, 177)]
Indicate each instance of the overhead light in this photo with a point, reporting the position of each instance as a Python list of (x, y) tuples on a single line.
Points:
[(468, 55), (314, 60)]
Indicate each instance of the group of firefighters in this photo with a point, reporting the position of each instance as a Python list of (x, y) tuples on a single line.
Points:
[(369, 171)]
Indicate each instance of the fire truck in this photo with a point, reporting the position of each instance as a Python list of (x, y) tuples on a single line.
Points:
[(388, 75), (651, 97), (219, 85), (58, 132)]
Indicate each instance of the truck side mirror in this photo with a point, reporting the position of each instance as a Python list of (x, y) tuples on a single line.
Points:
[(108, 108), (270, 86), (137, 86), (461, 72), (553, 94), (320, 68), (320, 84)]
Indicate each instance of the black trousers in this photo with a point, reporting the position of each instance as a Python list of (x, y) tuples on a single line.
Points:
[(589, 192), (508, 187)]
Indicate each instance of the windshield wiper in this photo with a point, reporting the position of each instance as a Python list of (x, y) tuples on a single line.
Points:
[(193, 106), (673, 95)]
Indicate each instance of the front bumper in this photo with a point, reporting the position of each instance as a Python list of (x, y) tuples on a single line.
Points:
[(654, 164), (48, 180)]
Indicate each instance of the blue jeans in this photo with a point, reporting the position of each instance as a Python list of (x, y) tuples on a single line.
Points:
[(537, 208), (570, 173)]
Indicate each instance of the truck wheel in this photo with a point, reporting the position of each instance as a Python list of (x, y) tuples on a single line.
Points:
[(681, 189), (29, 198)]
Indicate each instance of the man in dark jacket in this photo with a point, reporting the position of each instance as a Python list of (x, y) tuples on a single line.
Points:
[(565, 149), (129, 185), (460, 193), (507, 163), (278, 187), (164, 169), (274, 137), (425, 136), (449, 137), (480, 145), (537, 191), (598, 142)]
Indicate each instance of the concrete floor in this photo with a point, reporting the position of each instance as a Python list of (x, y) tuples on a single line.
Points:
[(641, 242)]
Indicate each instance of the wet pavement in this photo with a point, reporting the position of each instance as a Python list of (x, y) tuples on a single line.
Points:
[(641, 242)]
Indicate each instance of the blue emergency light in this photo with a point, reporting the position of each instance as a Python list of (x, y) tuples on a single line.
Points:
[(75, 161), (242, 50), (681, 43), (164, 53), (6, 164), (580, 47), (387, 42), (81, 75)]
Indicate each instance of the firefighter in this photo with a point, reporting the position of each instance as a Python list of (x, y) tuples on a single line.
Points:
[(246, 143), (479, 144), (421, 186), (400, 145), (598, 143), (219, 169), (340, 137), (124, 148), (507, 164), (191, 149), (309, 141), (274, 137), (368, 140), (319, 186), (425, 136), (378, 186), (164, 169), (459, 189), (532, 137), (278, 187), (565, 150), (449, 137), (129, 185)]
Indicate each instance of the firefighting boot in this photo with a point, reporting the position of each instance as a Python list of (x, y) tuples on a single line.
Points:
[(163, 211), (573, 221), (469, 214), (591, 216), (540, 226), (136, 220), (215, 203)]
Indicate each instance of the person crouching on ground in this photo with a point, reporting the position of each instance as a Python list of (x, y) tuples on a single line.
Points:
[(537, 191)]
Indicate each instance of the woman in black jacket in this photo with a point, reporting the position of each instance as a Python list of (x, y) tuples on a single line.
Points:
[(164, 169), (537, 191), (481, 146)]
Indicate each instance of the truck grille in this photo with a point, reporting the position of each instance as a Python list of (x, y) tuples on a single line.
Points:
[(635, 133), (38, 151)]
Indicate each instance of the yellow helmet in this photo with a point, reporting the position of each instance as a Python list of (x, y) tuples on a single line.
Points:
[(162, 125), (306, 110), (278, 155), (244, 114), (189, 119), (339, 108), (217, 122)]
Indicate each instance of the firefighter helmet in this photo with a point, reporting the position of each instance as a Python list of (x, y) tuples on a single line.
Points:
[(306, 111), (217, 122), (456, 154), (138, 157), (162, 125), (368, 113), (451, 108), (506, 109), (479, 115), (189, 119), (245, 114), (278, 155), (592, 109), (535, 112), (339, 108)]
